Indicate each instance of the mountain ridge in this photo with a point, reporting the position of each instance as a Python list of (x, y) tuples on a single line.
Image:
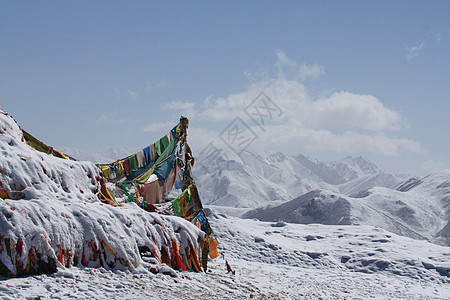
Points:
[(256, 180)]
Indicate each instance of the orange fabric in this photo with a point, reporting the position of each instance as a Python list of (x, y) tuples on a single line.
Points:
[(213, 253), (177, 256), (107, 247), (4, 194)]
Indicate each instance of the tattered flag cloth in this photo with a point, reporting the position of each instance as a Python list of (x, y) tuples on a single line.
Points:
[(188, 203), (148, 176), (157, 158), (40, 146), (141, 162), (161, 145), (213, 252), (202, 220), (115, 238)]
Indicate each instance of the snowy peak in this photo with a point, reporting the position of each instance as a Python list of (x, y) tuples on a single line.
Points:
[(435, 189), (364, 183), (351, 168), (438, 180), (321, 170), (339, 172)]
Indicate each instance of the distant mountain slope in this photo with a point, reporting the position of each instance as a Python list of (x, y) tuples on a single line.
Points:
[(366, 182), (251, 180), (317, 206), (421, 212), (240, 182)]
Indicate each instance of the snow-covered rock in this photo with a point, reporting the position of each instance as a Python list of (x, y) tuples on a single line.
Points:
[(51, 215)]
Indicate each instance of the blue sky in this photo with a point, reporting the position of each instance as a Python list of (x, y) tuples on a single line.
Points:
[(353, 78)]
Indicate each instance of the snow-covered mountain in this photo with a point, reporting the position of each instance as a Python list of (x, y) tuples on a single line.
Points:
[(365, 182), (242, 181), (298, 189), (418, 208), (251, 180)]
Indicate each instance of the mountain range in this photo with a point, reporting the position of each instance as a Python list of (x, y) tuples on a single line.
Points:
[(251, 180), (298, 189)]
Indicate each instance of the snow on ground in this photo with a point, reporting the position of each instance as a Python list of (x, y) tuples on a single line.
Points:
[(352, 260), (271, 261)]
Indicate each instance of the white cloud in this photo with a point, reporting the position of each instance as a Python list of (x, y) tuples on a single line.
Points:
[(311, 71), (285, 93), (102, 119), (186, 108), (343, 122), (224, 109), (158, 127), (287, 66), (345, 110), (284, 60), (292, 139), (413, 51), (338, 112), (117, 91), (199, 138)]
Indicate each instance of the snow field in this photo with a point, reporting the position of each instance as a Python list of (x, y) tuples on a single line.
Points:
[(271, 261)]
